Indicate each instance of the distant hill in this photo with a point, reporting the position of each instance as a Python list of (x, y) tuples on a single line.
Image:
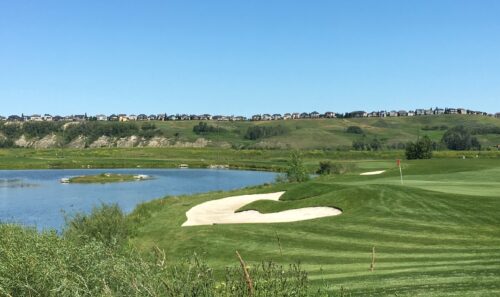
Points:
[(390, 132)]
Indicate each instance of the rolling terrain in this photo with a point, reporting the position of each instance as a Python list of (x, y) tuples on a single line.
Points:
[(298, 134), (435, 235)]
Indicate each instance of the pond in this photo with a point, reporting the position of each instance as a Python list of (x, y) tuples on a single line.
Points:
[(38, 198)]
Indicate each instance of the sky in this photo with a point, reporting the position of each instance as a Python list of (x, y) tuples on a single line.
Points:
[(245, 57)]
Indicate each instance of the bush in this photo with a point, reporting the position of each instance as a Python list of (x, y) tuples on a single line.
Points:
[(257, 132), (460, 138), (354, 130), (46, 264), (296, 171), (422, 149), (204, 128), (106, 224), (327, 167), (365, 144)]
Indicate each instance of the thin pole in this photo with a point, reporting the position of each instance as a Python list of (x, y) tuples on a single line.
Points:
[(401, 173)]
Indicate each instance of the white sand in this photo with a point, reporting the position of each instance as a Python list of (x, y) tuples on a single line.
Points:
[(373, 172), (222, 211)]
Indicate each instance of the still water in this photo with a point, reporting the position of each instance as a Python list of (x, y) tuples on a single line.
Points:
[(38, 198)]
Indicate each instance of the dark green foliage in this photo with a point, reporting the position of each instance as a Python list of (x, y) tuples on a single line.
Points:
[(434, 128), (106, 224), (40, 129), (363, 144), (6, 143), (327, 167), (94, 130), (422, 149), (11, 130), (45, 264), (257, 132), (460, 138), (354, 130), (485, 129), (204, 128), (296, 171)]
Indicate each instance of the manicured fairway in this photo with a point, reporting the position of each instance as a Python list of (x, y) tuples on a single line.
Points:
[(436, 235)]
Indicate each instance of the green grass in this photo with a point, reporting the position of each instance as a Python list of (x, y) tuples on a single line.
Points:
[(274, 160), (331, 133), (436, 235)]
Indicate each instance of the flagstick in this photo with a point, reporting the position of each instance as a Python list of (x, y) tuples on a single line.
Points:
[(401, 173)]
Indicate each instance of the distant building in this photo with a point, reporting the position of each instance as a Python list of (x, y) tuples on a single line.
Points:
[(36, 118), (142, 117), (14, 118), (266, 117), (497, 115), (47, 117), (329, 115), (101, 117), (295, 115), (277, 116), (304, 115), (393, 113), (113, 118), (438, 111), (402, 113), (256, 117), (314, 115), (462, 111), (287, 116), (359, 114), (151, 117)]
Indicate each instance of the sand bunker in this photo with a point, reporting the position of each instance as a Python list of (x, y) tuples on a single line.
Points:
[(222, 211), (373, 172)]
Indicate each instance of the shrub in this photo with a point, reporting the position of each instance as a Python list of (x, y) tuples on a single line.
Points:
[(46, 264), (354, 130), (422, 149), (296, 171), (204, 128), (106, 224), (460, 138), (257, 132), (362, 144), (327, 167)]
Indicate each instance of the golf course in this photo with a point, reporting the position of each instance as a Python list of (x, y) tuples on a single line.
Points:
[(437, 234), (353, 224)]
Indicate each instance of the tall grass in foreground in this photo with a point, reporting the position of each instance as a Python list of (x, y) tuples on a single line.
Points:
[(85, 261)]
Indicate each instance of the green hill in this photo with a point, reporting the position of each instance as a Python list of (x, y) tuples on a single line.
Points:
[(297, 134)]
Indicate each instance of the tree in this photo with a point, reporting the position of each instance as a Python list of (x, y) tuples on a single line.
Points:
[(325, 168), (460, 138), (296, 171), (422, 149)]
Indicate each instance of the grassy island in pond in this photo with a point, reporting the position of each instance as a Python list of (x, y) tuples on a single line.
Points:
[(105, 178)]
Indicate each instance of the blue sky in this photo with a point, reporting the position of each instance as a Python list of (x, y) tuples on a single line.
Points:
[(245, 57)]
